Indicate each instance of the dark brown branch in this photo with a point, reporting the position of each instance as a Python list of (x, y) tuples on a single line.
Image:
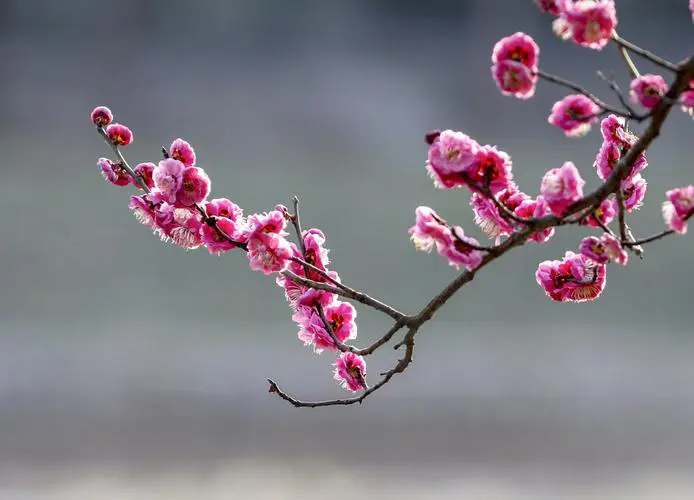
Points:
[(663, 63), (618, 92), (656, 236)]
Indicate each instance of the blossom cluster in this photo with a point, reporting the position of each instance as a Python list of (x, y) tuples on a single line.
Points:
[(589, 23), (175, 204)]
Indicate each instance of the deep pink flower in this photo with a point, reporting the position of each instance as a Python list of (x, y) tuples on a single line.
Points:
[(458, 252), (101, 116), (491, 169), (143, 210), (268, 252), (687, 99), (574, 114), (145, 171), (591, 22), (536, 208), (350, 370), (548, 6), (576, 278), (634, 191), (610, 153), (647, 90), (561, 187), (168, 177), (118, 134), (223, 207), (340, 316), (514, 65), (429, 229), (267, 222), (217, 243), (182, 151), (593, 248), (614, 250), (605, 213), (488, 218), (613, 130), (186, 228), (678, 208), (113, 172), (195, 187), (311, 297), (451, 152), (316, 253)]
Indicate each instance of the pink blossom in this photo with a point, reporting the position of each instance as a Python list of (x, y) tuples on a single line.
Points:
[(609, 155), (691, 8), (561, 28), (216, 242), (605, 213), (491, 169), (459, 252), (101, 116), (311, 297), (316, 253), (113, 172), (195, 187), (429, 229), (634, 191), (268, 252), (186, 228), (591, 22), (350, 370), (613, 129), (223, 207), (514, 65), (574, 114), (614, 250), (548, 6), (593, 248), (118, 134), (300, 296), (488, 218), (182, 151), (340, 316), (561, 187), (267, 222), (451, 152), (536, 208), (647, 90), (168, 177), (143, 210), (687, 99), (678, 208), (576, 278), (145, 171)]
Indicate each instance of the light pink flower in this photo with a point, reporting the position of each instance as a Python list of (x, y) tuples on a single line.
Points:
[(458, 252), (534, 209), (593, 248), (561, 28), (195, 187), (491, 169), (605, 213), (561, 187), (514, 65), (112, 172), (182, 151), (451, 152), (268, 252), (118, 134), (186, 230), (145, 171), (350, 370), (101, 116), (679, 208), (487, 215), (634, 191), (223, 207), (168, 177), (647, 90), (591, 22), (429, 230), (576, 278), (614, 250), (143, 210), (574, 114), (267, 222), (548, 6)]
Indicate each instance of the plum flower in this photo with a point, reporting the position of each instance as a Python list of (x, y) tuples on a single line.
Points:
[(182, 151), (490, 170), (350, 369), (340, 316), (143, 210), (101, 116), (576, 278), (316, 253), (168, 177), (514, 65), (574, 114), (548, 6), (429, 230), (561, 187), (605, 214), (113, 172), (687, 99), (223, 207), (267, 223), (536, 208), (487, 215), (604, 249), (678, 208), (216, 242), (591, 22), (195, 186), (118, 134), (450, 152), (634, 191), (647, 90), (614, 250), (459, 252), (268, 252), (186, 229), (145, 171)]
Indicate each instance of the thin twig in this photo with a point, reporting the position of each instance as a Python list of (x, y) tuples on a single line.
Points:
[(663, 63), (618, 92)]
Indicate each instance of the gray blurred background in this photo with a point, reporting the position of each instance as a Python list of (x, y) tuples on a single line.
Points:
[(130, 369)]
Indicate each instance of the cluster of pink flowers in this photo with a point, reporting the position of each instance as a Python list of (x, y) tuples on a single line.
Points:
[(515, 65), (589, 23), (678, 208)]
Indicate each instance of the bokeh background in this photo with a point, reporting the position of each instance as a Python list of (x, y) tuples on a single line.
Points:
[(130, 369)]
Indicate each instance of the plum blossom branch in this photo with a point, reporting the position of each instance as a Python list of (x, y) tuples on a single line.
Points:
[(663, 63)]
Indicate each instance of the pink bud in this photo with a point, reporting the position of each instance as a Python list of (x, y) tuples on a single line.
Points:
[(118, 134), (101, 116)]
